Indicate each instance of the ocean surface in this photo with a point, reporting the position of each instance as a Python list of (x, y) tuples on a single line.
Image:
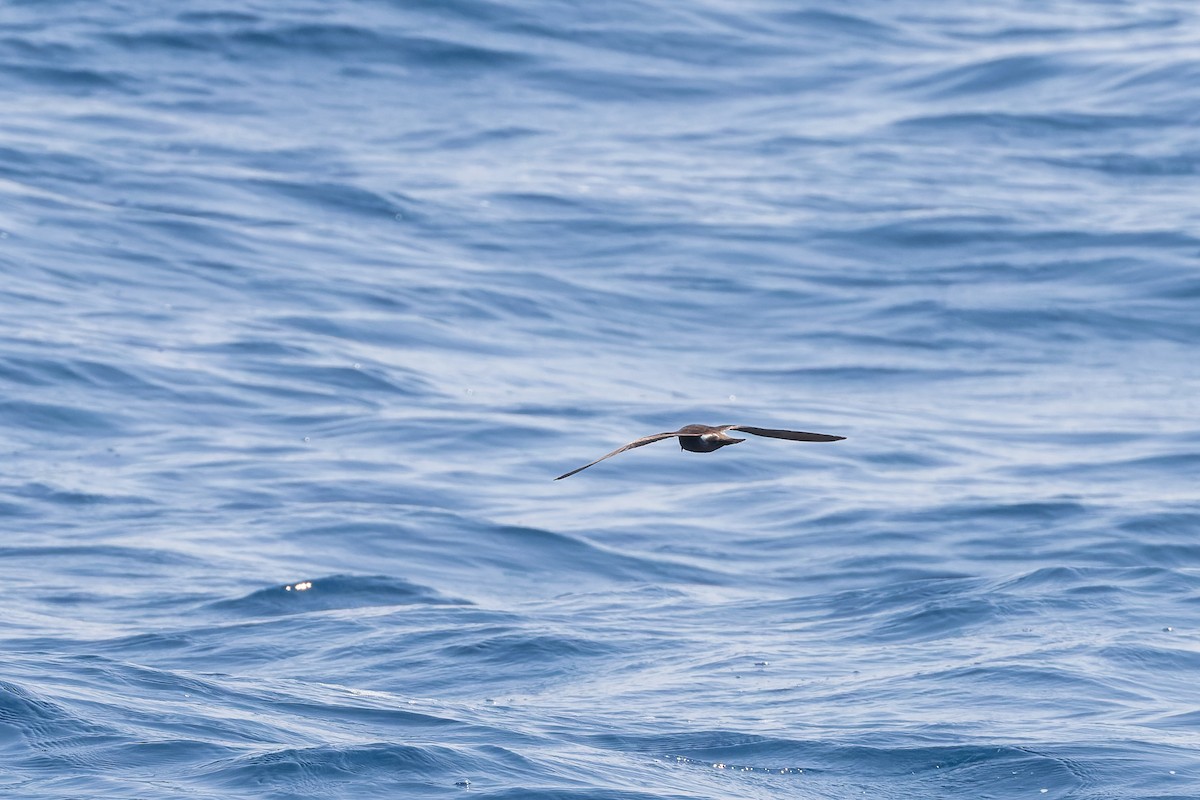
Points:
[(303, 305)]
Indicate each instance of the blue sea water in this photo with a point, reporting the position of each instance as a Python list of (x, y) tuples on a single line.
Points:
[(304, 304)]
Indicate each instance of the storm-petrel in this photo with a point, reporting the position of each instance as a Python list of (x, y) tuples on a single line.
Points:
[(707, 438)]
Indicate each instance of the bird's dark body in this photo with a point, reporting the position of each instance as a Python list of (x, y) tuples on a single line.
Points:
[(695, 444), (706, 442)]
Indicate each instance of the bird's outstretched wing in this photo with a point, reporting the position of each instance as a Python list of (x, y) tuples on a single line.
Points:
[(635, 443), (795, 436)]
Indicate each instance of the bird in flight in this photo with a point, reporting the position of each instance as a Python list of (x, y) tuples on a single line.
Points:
[(707, 438)]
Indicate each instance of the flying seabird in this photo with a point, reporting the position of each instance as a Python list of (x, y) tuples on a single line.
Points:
[(707, 438)]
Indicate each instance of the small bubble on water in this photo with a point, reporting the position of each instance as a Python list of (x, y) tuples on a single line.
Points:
[(357, 366), (306, 440), (733, 398), (1168, 629), (399, 217)]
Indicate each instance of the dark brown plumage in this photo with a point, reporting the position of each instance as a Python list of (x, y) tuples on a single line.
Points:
[(707, 438)]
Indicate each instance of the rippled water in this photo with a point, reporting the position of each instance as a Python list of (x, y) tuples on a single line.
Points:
[(305, 304)]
